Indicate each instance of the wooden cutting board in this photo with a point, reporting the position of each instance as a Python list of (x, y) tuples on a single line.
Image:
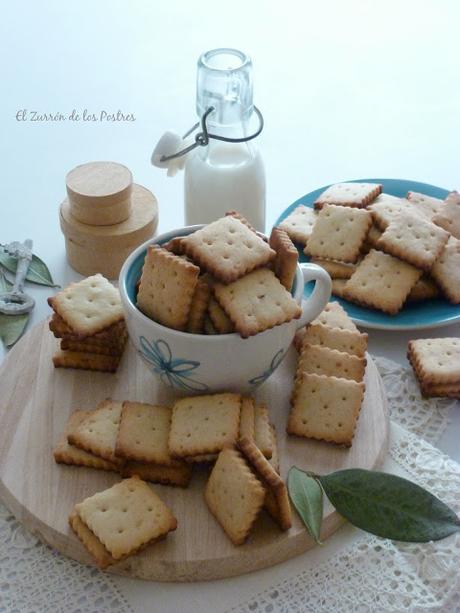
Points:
[(35, 402)]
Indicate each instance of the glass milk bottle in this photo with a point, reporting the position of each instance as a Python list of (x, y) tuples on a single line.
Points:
[(225, 175)]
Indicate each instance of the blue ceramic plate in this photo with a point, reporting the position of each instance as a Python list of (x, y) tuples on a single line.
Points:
[(427, 314)]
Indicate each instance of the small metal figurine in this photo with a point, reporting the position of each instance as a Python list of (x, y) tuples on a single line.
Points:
[(16, 301)]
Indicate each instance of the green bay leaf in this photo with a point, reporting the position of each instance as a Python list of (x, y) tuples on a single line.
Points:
[(5, 285), (12, 327), (38, 271), (389, 506), (307, 497)]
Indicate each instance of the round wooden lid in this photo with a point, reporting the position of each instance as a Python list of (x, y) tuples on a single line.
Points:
[(100, 192), (140, 225)]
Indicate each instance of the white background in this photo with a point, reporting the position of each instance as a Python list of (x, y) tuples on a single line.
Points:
[(348, 89)]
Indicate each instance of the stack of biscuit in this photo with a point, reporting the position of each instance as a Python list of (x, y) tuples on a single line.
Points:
[(436, 364), (127, 437), (222, 278), (121, 521), (328, 386), (380, 250), (88, 320)]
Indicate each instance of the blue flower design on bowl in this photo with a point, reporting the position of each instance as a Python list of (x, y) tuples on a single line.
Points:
[(276, 361), (173, 371)]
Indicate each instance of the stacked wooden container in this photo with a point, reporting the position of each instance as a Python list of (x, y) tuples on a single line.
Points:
[(105, 217)]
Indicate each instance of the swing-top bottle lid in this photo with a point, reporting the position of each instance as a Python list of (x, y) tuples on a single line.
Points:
[(224, 81)]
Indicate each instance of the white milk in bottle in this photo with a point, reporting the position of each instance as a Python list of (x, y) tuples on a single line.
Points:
[(225, 175)]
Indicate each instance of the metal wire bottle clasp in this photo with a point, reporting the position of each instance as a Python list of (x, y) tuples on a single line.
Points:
[(203, 137)]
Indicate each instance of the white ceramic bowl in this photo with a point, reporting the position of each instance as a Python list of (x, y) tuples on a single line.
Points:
[(196, 363)]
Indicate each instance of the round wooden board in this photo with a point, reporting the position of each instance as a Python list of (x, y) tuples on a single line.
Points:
[(35, 402)]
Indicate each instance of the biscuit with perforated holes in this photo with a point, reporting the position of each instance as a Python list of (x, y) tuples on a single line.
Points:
[(326, 408), (413, 239), (199, 307), (426, 206), (436, 361), (339, 233), (322, 360), (220, 321), (349, 194), (88, 306), (448, 216), (383, 209), (126, 517), (287, 256), (381, 281), (203, 425), (179, 474), (299, 224), (97, 433), (257, 302), (262, 432), (277, 498), (227, 249), (167, 286), (446, 270), (234, 495), (64, 453), (335, 316), (349, 341), (336, 270), (143, 433)]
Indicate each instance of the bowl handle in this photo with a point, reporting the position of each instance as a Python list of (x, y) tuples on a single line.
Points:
[(313, 306)]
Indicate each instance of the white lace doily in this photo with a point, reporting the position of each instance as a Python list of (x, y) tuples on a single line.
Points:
[(371, 575), (376, 574)]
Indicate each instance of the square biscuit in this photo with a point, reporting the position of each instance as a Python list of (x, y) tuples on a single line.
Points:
[(86, 346), (326, 408), (331, 362), (414, 240), (448, 216), (234, 495), (219, 318), (339, 233), (382, 282), (446, 270), (204, 424), (227, 249), (143, 433), (167, 286), (336, 270), (236, 215), (436, 361), (262, 431), (64, 453), (88, 306), (83, 360), (384, 208), (287, 256), (338, 287), (347, 341), (277, 498), (109, 336), (199, 307), (91, 543), (179, 474), (349, 194), (446, 390), (335, 316), (275, 459), (97, 433), (257, 302), (426, 206), (247, 418), (424, 289), (299, 224), (126, 517)]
